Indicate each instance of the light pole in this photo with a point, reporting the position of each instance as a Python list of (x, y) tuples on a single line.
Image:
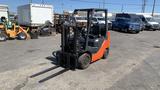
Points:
[(122, 8), (99, 5), (143, 6), (154, 3), (62, 5), (42, 1)]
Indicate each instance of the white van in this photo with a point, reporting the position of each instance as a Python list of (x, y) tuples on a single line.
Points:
[(152, 24), (101, 20)]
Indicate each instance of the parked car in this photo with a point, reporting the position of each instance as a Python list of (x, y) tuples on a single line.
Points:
[(150, 23), (134, 18), (154, 25), (157, 18), (101, 20), (126, 25)]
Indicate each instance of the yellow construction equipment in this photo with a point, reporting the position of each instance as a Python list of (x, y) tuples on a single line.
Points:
[(9, 30)]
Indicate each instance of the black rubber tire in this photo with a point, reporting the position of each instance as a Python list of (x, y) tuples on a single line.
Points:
[(84, 61), (3, 37), (34, 35), (106, 53), (135, 32), (21, 36)]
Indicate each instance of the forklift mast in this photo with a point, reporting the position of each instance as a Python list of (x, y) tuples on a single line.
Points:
[(66, 32), (71, 46)]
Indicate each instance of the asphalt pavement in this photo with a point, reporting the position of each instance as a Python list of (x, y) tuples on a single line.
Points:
[(133, 64)]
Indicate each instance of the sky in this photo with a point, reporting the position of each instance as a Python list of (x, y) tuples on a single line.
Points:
[(70, 5)]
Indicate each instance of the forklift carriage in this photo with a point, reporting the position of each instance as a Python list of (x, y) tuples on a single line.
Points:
[(82, 45)]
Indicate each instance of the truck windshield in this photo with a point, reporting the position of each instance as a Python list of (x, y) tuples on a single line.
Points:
[(150, 19), (122, 20), (129, 20), (136, 20)]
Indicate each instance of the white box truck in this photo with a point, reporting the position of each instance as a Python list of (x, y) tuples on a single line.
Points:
[(34, 14), (4, 11)]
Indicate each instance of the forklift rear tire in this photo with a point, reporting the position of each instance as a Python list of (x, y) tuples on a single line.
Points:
[(84, 61), (3, 37), (22, 36), (106, 53)]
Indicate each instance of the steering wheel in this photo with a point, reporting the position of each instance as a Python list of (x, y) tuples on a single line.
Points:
[(91, 36)]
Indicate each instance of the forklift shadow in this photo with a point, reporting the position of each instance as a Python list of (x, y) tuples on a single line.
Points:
[(53, 59), (121, 31)]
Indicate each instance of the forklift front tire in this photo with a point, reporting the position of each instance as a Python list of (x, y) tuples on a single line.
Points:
[(22, 36), (84, 61)]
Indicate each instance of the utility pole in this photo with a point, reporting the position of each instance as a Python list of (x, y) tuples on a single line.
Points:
[(42, 1), (154, 3), (103, 4), (99, 5), (122, 8), (30, 1), (143, 6), (62, 4)]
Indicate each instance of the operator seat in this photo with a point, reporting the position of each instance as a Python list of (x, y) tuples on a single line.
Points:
[(96, 37)]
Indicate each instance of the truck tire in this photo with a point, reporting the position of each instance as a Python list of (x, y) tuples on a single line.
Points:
[(106, 53), (3, 37), (138, 32), (84, 61), (21, 36), (34, 35), (135, 32)]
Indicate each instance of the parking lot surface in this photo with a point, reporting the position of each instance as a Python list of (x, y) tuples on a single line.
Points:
[(133, 64)]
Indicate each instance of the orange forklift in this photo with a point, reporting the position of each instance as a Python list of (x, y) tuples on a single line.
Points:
[(82, 45)]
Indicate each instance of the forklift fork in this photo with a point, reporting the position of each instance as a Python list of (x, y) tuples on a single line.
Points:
[(51, 76)]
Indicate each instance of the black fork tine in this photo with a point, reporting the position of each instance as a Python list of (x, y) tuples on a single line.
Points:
[(44, 71), (54, 75)]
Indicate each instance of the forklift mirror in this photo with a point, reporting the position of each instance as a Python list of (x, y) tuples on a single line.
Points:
[(3, 19)]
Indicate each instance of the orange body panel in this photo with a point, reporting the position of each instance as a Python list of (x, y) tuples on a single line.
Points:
[(1, 26), (11, 33), (99, 54)]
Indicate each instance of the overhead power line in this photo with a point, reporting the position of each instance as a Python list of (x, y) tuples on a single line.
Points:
[(96, 2)]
